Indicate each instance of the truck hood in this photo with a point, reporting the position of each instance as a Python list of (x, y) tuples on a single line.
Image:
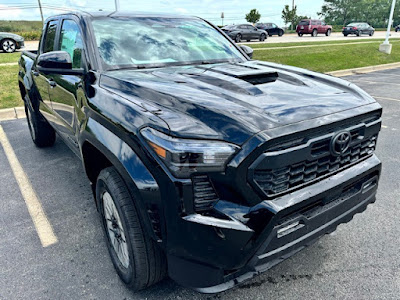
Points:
[(232, 102)]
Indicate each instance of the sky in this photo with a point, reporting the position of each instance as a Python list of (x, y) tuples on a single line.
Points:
[(234, 10)]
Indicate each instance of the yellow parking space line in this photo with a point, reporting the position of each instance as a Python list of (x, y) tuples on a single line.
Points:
[(39, 218)]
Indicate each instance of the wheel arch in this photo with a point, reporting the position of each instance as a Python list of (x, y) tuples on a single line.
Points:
[(102, 148)]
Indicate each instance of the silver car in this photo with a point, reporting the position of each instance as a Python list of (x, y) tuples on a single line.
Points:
[(9, 42)]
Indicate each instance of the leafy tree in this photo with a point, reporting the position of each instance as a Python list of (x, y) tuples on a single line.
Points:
[(289, 15), (253, 16)]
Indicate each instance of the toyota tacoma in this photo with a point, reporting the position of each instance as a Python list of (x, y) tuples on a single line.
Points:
[(205, 165)]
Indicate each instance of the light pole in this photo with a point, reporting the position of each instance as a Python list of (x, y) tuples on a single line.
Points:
[(116, 5), (386, 47), (41, 11)]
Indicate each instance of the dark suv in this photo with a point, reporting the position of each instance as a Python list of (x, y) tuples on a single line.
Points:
[(313, 27), (271, 28), (205, 165)]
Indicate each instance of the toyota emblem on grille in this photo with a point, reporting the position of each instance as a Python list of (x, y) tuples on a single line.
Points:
[(340, 143)]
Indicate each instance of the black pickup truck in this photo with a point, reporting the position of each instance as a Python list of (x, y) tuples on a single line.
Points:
[(205, 165)]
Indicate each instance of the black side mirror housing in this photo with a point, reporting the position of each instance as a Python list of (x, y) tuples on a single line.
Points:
[(55, 60), (246, 49)]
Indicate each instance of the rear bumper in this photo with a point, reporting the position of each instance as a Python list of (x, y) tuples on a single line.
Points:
[(298, 219)]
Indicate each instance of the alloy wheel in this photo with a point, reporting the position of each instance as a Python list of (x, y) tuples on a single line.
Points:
[(9, 46), (115, 230)]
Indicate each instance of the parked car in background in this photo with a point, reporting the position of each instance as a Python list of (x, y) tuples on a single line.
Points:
[(397, 28), (313, 27), (271, 28), (9, 42), (358, 29), (245, 32)]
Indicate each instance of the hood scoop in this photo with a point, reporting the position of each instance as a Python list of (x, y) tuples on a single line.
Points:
[(260, 78)]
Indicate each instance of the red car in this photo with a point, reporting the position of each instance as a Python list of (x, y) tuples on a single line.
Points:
[(313, 27)]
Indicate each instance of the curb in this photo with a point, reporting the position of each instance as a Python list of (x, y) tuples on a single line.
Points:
[(364, 70), (12, 113)]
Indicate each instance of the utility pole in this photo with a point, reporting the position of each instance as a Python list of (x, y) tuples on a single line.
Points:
[(116, 5), (222, 17), (41, 11), (386, 47)]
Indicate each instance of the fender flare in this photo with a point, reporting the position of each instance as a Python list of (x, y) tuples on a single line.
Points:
[(137, 177)]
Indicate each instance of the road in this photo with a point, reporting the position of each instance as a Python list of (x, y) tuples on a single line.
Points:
[(358, 261)]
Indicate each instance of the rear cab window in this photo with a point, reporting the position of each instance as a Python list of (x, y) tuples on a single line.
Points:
[(50, 36)]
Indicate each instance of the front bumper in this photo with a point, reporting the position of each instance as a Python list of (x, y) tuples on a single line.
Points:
[(221, 256), (20, 45)]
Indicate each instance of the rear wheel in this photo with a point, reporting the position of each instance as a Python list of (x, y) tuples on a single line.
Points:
[(345, 34), (314, 33), (371, 33), (262, 37), (137, 259), (300, 34), (8, 45), (238, 38), (328, 32), (43, 135)]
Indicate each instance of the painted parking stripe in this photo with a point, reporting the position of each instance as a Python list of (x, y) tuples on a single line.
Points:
[(386, 98), (39, 218)]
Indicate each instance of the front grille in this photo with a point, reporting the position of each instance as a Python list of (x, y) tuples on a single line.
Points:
[(204, 195), (277, 181)]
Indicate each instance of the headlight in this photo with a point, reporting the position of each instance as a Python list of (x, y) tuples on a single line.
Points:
[(184, 156)]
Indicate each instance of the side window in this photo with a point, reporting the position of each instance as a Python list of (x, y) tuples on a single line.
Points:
[(323, 24), (273, 26), (50, 37), (318, 22), (71, 42)]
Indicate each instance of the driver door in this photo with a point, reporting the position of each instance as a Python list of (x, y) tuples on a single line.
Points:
[(66, 94)]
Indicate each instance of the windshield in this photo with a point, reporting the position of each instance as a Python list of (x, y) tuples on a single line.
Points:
[(148, 41)]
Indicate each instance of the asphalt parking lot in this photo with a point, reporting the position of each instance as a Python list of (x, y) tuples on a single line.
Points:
[(359, 261)]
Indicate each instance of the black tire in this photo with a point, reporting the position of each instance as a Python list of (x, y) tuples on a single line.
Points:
[(263, 37), (300, 34), (280, 33), (147, 264), (371, 33), (358, 33), (248, 40), (43, 135), (8, 45), (328, 32), (238, 38), (314, 33), (345, 34)]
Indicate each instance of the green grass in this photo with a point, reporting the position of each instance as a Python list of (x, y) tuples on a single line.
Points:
[(9, 57), (30, 30), (335, 57), (9, 91), (273, 45)]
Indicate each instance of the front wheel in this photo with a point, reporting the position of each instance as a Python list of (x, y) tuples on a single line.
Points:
[(328, 32), (8, 46), (263, 37), (280, 33), (43, 135), (137, 259), (238, 38)]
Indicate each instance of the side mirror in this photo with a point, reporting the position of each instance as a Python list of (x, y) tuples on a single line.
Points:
[(55, 60), (246, 49)]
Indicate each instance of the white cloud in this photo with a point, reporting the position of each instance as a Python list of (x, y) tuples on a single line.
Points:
[(181, 10)]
